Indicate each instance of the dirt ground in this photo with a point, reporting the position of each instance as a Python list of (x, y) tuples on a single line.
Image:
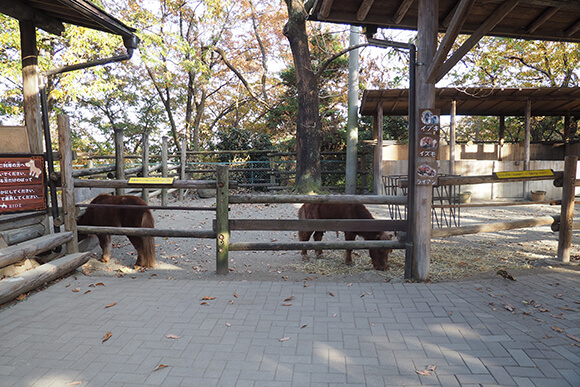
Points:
[(452, 258)]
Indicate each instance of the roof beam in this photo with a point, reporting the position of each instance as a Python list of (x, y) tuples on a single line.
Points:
[(325, 8), (447, 42), (572, 30), (21, 11), (547, 14), (364, 9), (402, 11), (500, 13)]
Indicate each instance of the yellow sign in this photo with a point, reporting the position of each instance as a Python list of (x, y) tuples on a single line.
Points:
[(151, 180), (532, 173)]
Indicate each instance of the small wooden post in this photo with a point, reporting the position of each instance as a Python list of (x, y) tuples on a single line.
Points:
[(30, 89), (145, 165), (222, 219), (119, 159), (452, 137), (66, 168), (182, 166), (272, 169), (378, 151), (164, 169), (527, 138), (567, 211)]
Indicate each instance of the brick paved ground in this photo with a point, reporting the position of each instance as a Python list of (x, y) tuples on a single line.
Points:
[(361, 334)]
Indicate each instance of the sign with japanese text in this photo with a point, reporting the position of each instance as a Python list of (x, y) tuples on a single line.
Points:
[(428, 146), (22, 183)]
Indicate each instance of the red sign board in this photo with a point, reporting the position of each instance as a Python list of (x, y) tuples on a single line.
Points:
[(22, 183)]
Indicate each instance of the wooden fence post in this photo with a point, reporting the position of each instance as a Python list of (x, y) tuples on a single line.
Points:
[(145, 165), (66, 168), (222, 219), (182, 166), (164, 168), (119, 159), (567, 210)]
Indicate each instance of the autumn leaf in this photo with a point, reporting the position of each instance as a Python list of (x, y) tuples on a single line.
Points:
[(331, 293), (107, 336), (559, 330), (172, 337), (207, 298), (289, 298), (573, 337), (423, 373), (284, 339), (204, 303), (236, 295), (509, 306), (22, 297), (76, 290), (75, 383), (160, 366), (110, 305), (88, 291), (100, 284), (304, 326), (228, 324)]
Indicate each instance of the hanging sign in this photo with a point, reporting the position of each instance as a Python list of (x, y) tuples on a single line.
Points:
[(151, 180), (428, 147), (22, 183)]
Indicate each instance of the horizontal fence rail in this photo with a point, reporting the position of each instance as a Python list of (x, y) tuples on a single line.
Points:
[(134, 231), (362, 225), (349, 245), (335, 199)]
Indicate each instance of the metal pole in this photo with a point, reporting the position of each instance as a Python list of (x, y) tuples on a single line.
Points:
[(352, 124)]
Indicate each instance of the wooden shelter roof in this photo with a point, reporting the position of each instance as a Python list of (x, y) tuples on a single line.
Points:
[(50, 15), (549, 101), (523, 19)]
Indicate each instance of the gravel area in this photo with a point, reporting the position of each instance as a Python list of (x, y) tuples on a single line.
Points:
[(453, 258)]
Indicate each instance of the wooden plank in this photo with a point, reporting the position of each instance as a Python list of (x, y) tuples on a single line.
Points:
[(493, 227), (317, 225), (364, 9), (30, 248), (124, 183), (222, 216), (365, 199), (12, 287), (147, 232), (68, 196), (567, 209), (338, 245)]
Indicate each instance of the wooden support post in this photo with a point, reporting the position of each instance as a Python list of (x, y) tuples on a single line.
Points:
[(272, 169), (501, 138), (527, 139), (145, 164), (452, 127), (66, 168), (119, 159), (222, 219), (164, 168), (567, 211), (423, 195), (378, 151), (30, 88), (183, 161)]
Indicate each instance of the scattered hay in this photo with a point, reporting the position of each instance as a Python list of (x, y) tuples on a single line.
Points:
[(450, 259)]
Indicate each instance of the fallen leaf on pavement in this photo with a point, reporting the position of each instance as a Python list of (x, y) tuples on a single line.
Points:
[(160, 366), (107, 336)]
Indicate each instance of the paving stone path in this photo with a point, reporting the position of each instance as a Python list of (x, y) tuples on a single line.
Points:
[(257, 333)]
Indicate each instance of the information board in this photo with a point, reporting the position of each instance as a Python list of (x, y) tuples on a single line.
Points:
[(22, 183), (428, 147)]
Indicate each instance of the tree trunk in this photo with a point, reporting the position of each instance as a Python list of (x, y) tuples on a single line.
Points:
[(308, 122)]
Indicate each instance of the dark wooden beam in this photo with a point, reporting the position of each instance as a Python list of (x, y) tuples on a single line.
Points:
[(364, 9), (402, 11), (573, 29), (325, 8), (501, 12), (23, 12), (544, 17), (452, 32)]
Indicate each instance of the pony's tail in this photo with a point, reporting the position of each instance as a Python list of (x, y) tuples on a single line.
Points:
[(147, 221)]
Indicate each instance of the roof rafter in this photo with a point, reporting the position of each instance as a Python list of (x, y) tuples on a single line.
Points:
[(501, 12)]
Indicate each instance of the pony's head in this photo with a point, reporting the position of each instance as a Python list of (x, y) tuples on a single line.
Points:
[(380, 257)]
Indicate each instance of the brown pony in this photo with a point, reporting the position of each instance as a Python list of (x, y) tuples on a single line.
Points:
[(379, 257), (122, 217)]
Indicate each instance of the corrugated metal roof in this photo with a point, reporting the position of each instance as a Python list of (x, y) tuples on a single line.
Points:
[(549, 101)]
